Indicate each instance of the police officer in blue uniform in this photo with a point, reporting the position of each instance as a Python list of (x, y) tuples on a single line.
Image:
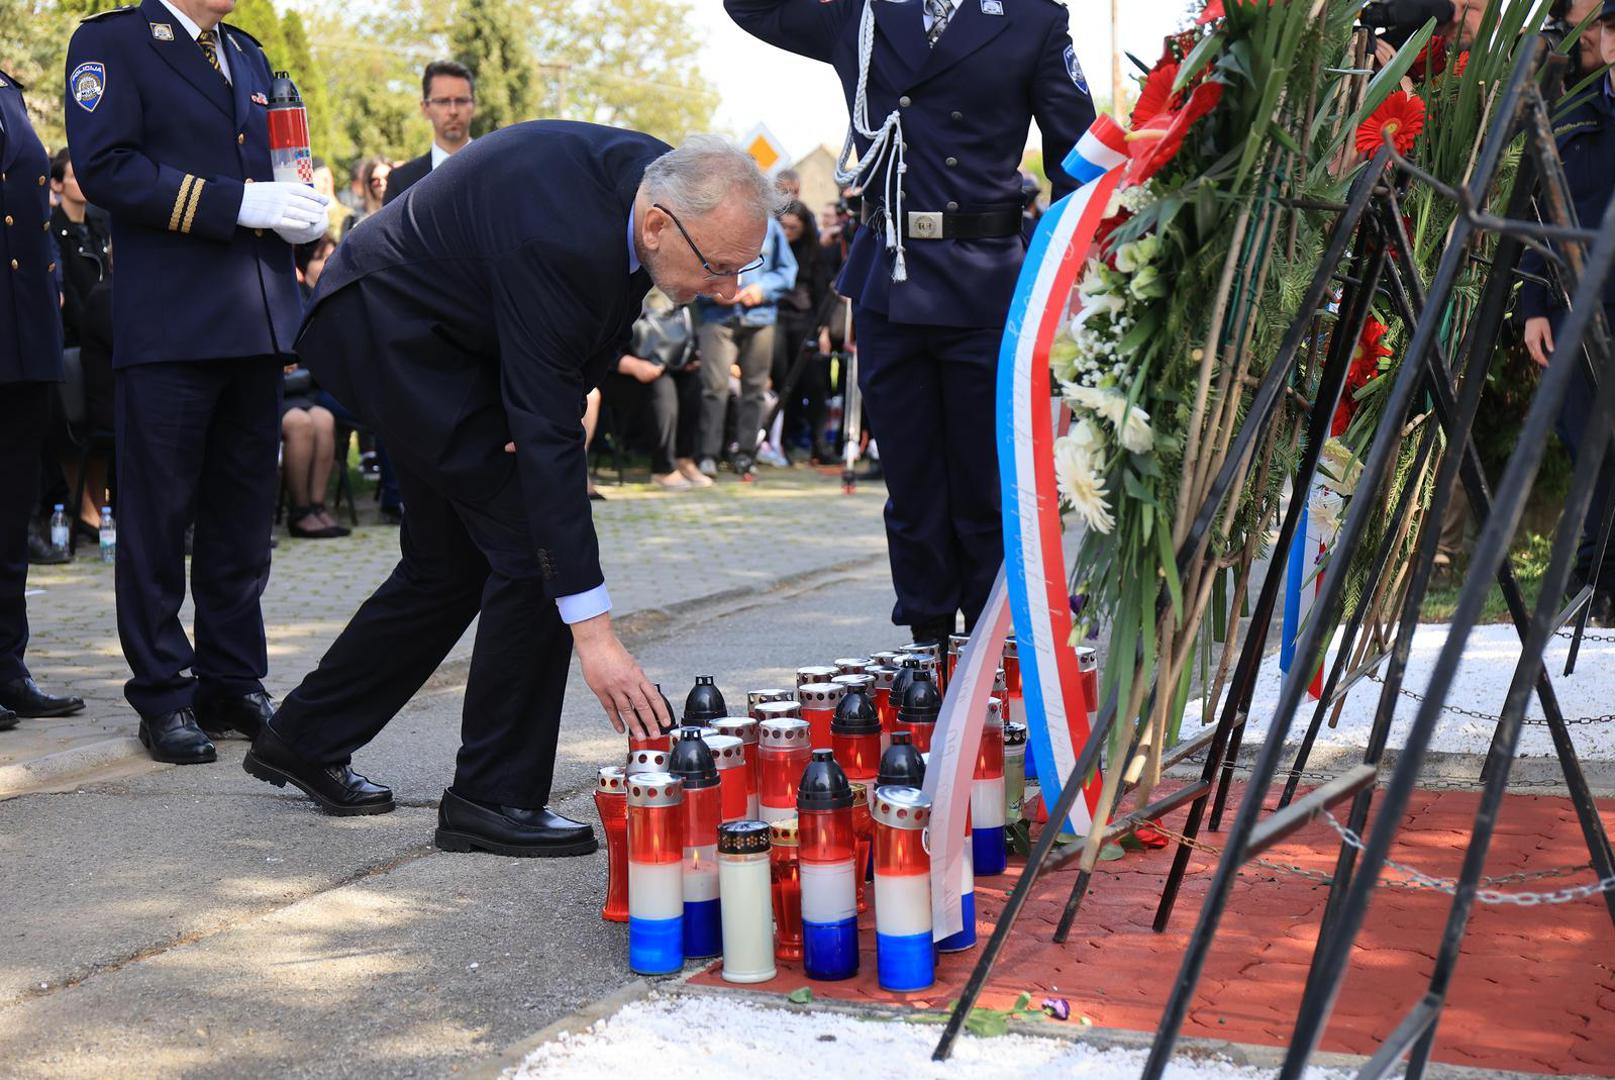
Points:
[(167, 122), (940, 127), (30, 362), (1586, 140)]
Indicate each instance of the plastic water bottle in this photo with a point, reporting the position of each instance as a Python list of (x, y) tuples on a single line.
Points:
[(109, 536), (58, 530)]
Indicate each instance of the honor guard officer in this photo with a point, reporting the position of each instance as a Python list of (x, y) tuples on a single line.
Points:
[(941, 94), (30, 362), (474, 312), (167, 122)]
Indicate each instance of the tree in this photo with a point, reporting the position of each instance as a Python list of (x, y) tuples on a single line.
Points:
[(260, 19), (309, 76), (632, 63), (488, 37), (33, 51)]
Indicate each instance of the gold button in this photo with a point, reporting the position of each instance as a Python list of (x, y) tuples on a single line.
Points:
[(248, 180), (8, 219), (241, 138), (14, 264), (51, 269), (41, 181), (45, 225), (257, 232)]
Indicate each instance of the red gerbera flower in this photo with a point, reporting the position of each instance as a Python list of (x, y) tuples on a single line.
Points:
[(1157, 97), (1213, 11), (1399, 118), (1432, 59), (1371, 349), (1460, 64), (1167, 132)]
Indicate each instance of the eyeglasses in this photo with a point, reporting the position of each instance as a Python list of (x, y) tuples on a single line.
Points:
[(457, 102), (704, 264)]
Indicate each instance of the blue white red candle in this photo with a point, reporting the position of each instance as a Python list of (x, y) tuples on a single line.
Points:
[(783, 751), (818, 701), (692, 763), (987, 813), (655, 873), (744, 728), (905, 955), (829, 876)]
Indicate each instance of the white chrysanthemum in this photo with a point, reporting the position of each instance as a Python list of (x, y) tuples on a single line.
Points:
[(1342, 466), (1087, 436), (1097, 304), (1081, 485), (1088, 398), (1135, 432), (1324, 509)]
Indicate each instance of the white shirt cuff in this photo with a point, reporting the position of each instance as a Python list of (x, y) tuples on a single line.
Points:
[(583, 605)]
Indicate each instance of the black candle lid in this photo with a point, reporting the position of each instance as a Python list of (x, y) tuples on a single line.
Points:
[(692, 761), (855, 715), (921, 699), (824, 785), (901, 765), (704, 702), (742, 838)]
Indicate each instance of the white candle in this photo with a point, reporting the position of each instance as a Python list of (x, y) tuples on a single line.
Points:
[(748, 910)]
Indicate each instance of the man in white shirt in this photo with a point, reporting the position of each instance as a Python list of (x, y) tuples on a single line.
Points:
[(448, 101)]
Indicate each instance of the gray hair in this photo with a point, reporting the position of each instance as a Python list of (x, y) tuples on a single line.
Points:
[(707, 171)]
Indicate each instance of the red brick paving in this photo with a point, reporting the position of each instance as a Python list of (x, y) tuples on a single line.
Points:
[(1534, 989)]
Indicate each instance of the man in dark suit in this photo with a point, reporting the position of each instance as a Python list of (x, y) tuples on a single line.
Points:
[(448, 101), (476, 312), (951, 88), (30, 361), (167, 118)]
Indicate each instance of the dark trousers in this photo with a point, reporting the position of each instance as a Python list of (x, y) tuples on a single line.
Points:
[(805, 404), (24, 412), (1574, 430), (197, 443), (929, 392), (669, 408), (459, 557)]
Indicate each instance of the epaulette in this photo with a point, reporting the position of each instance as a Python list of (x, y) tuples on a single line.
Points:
[(8, 79), (110, 11), (234, 29)]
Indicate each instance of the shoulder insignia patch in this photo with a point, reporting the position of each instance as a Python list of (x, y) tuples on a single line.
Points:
[(87, 84), (162, 31), (1073, 68)]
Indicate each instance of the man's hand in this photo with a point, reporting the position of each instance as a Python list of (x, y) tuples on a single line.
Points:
[(824, 340), (639, 368), (750, 296), (1539, 339), (632, 703)]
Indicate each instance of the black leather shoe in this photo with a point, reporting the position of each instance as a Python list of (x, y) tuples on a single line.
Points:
[(337, 788), (8, 719), (24, 698), (464, 825), (175, 738), (247, 714)]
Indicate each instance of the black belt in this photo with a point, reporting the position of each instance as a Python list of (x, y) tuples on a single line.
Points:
[(951, 224)]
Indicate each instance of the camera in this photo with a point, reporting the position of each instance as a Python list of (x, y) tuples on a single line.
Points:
[(1398, 20)]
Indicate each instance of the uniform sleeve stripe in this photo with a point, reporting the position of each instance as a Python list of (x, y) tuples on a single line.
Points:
[(179, 202), (190, 207)]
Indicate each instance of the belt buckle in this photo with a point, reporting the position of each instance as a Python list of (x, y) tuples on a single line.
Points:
[(925, 224)]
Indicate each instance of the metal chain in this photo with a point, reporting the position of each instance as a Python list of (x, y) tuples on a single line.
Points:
[(1419, 879), (1588, 636), (1491, 718)]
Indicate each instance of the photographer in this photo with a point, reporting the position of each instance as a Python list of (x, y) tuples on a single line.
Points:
[(660, 377)]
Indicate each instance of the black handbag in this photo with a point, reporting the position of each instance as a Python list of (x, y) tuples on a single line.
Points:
[(666, 338), (297, 383)]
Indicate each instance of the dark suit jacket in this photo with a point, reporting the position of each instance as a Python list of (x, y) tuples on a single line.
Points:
[(966, 105), (406, 176), (481, 308), (166, 146), (30, 322)]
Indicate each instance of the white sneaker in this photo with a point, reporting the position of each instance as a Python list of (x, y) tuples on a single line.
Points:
[(767, 455)]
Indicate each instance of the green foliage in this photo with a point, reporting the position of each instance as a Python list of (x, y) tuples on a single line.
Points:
[(488, 38), (298, 60), (33, 50)]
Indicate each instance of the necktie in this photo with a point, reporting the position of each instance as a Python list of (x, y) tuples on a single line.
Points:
[(209, 40), (940, 11)]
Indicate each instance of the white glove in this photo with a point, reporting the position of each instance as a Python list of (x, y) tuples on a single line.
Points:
[(277, 205), (307, 234)]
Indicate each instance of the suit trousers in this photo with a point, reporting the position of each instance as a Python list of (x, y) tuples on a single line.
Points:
[(1573, 427), (722, 346), (24, 410), (197, 443), (459, 557), (929, 392)]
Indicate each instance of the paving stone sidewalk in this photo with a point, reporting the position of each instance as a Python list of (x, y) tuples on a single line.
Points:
[(659, 549)]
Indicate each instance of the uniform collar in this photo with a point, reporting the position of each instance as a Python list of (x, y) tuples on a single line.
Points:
[(633, 252), (184, 20)]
